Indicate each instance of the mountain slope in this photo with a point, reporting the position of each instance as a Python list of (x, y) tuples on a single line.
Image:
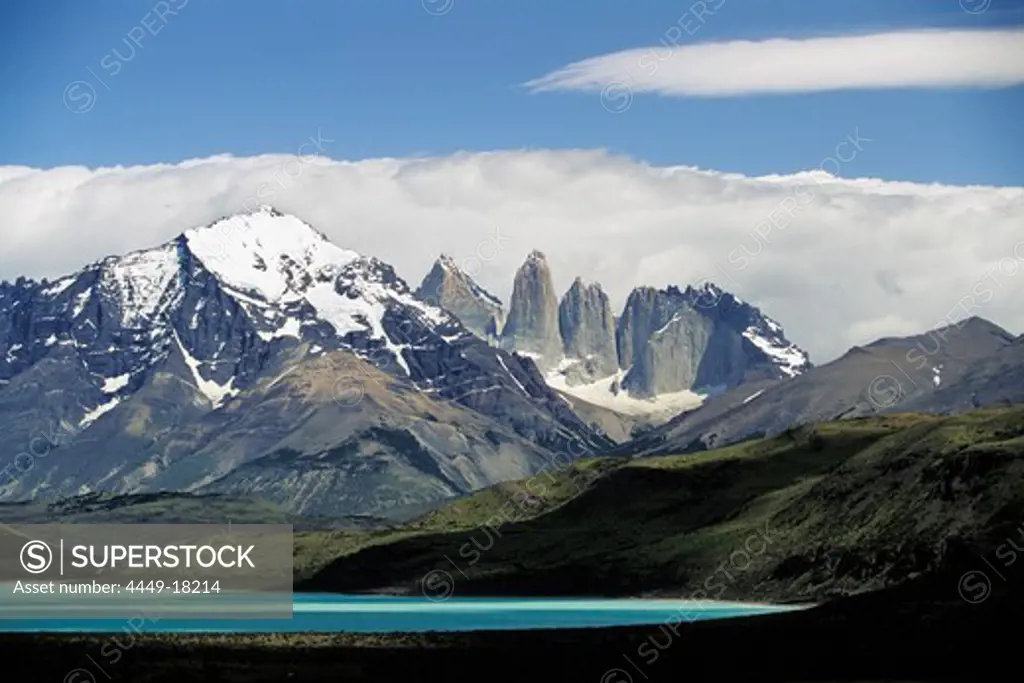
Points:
[(839, 508), (393, 448), (997, 378)]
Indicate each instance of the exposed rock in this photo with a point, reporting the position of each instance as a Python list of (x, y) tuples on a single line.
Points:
[(672, 340), (450, 287), (532, 325), (587, 327)]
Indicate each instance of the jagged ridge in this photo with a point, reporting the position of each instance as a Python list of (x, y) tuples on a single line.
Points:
[(666, 342)]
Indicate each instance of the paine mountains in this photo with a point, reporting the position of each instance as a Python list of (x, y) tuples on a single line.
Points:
[(253, 357), (666, 341)]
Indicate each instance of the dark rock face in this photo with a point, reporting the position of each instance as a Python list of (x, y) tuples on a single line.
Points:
[(587, 328), (672, 340), (146, 359), (451, 288), (532, 325)]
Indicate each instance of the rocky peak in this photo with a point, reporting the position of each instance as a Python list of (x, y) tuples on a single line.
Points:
[(368, 274), (532, 324), (587, 328), (448, 262), (760, 331), (536, 256), (673, 340), (449, 287)]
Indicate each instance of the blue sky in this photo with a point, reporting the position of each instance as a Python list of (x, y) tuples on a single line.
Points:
[(392, 79)]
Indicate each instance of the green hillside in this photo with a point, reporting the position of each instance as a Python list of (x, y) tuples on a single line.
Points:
[(824, 510)]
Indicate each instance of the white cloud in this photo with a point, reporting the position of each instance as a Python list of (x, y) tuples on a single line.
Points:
[(909, 59), (606, 218)]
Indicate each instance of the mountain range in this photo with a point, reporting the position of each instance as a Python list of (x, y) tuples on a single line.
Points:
[(666, 343), (252, 356)]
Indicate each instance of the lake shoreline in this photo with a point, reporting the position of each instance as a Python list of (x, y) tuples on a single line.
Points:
[(361, 614), (913, 633)]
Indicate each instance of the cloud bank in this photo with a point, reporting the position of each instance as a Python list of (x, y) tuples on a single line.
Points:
[(909, 59), (837, 262)]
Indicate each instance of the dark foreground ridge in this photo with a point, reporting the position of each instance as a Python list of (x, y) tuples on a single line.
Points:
[(922, 631)]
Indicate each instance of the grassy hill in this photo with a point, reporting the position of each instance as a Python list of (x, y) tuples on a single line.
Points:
[(820, 511)]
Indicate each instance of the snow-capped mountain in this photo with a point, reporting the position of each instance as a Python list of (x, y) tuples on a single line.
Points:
[(157, 349), (220, 295)]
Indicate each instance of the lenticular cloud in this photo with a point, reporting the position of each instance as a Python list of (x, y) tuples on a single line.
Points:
[(908, 59)]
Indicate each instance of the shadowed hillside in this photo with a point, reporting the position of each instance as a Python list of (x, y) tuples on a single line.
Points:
[(816, 512)]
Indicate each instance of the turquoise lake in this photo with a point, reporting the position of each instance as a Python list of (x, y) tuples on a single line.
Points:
[(326, 613)]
